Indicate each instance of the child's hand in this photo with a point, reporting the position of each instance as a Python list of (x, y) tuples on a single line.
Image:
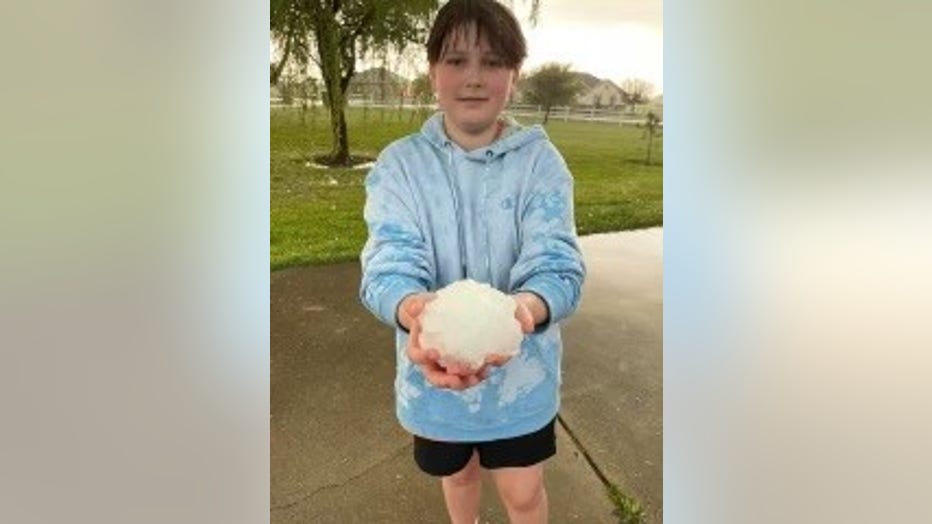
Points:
[(409, 312), (523, 316), (491, 360)]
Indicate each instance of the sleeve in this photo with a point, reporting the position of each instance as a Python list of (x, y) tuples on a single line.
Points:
[(395, 259), (550, 263)]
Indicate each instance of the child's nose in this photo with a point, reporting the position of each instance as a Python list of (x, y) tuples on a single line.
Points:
[(474, 75)]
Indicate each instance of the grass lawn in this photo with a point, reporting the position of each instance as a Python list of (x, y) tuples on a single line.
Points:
[(316, 215)]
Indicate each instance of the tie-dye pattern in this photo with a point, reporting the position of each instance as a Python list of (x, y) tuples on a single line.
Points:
[(501, 214), (520, 377)]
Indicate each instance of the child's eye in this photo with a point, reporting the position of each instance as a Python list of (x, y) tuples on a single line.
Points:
[(454, 61), (494, 62)]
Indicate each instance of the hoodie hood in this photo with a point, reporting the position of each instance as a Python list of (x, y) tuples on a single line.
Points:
[(514, 136)]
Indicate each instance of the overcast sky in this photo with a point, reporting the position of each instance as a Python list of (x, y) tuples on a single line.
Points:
[(613, 39)]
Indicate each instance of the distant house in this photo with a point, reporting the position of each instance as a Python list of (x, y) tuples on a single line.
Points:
[(377, 84), (594, 92), (587, 80), (599, 92)]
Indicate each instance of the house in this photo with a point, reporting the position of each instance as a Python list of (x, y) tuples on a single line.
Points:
[(587, 80), (377, 84), (594, 92), (599, 92)]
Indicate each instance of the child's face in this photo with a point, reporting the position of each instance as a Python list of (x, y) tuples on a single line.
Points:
[(472, 83)]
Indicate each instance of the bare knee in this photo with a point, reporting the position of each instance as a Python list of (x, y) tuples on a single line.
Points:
[(522, 494)]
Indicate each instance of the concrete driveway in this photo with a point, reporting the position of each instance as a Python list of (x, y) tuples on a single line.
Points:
[(338, 455)]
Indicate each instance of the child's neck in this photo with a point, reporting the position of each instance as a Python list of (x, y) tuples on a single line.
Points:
[(470, 142)]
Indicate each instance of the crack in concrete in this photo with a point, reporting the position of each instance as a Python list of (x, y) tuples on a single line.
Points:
[(343, 483), (609, 485), (582, 449)]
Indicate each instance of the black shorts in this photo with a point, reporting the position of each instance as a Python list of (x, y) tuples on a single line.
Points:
[(446, 458)]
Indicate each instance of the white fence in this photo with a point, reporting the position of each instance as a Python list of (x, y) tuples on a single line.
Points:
[(619, 116), (585, 114)]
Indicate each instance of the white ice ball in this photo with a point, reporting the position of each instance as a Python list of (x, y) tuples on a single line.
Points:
[(469, 321)]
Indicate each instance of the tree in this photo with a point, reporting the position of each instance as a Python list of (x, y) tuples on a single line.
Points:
[(339, 32), (652, 127), (289, 27), (551, 85), (636, 91), (342, 31)]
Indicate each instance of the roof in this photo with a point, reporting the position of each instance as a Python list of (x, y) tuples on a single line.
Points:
[(587, 79), (378, 75)]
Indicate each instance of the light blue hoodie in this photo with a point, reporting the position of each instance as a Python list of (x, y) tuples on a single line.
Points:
[(501, 214)]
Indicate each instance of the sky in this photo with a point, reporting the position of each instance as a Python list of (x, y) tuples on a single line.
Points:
[(613, 39)]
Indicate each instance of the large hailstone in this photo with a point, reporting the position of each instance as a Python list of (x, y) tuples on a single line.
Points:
[(469, 321)]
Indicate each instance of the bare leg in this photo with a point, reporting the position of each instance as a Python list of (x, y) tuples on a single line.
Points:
[(522, 493), (461, 491)]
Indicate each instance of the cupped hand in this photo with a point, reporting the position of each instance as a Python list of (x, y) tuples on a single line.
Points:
[(454, 377)]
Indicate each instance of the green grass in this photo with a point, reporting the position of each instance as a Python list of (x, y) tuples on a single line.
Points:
[(627, 509), (316, 215)]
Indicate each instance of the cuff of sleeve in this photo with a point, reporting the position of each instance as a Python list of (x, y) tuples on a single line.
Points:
[(552, 295), (391, 297)]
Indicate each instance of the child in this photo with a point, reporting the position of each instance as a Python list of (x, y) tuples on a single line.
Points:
[(473, 195)]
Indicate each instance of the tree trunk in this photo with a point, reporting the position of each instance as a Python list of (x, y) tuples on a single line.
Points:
[(339, 154), (546, 115), (336, 98), (332, 71)]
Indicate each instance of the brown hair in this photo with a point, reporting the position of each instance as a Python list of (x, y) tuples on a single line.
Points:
[(490, 18)]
